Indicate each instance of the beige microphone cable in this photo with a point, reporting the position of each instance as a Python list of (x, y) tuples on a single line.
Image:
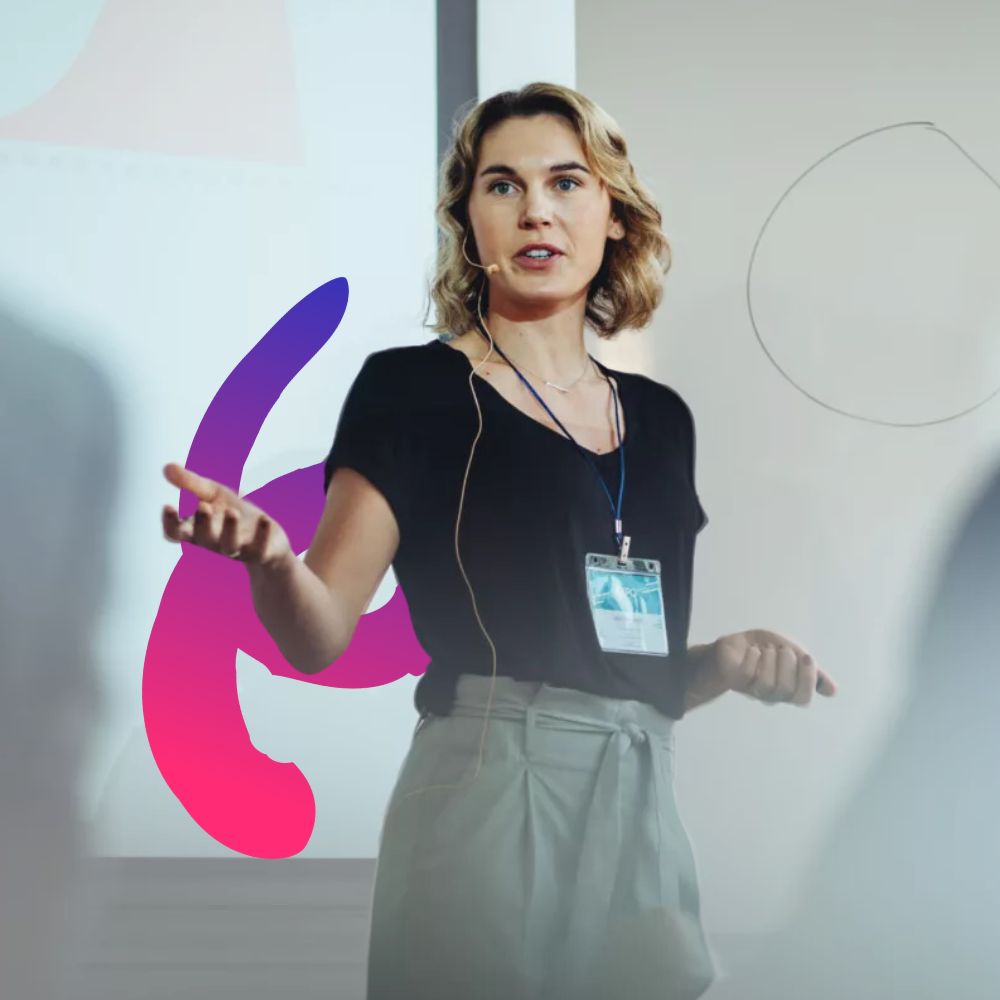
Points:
[(489, 269)]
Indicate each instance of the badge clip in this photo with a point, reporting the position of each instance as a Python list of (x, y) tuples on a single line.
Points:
[(623, 552)]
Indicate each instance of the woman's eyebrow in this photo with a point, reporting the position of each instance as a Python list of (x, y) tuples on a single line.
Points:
[(502, 168)]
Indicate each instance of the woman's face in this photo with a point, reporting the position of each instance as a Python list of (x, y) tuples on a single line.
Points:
[(518, 198)]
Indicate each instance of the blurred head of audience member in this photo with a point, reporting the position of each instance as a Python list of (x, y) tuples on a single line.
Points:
[(902, 898), (59, 456)]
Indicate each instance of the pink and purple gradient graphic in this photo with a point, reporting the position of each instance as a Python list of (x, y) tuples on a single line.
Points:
[(235, 793)]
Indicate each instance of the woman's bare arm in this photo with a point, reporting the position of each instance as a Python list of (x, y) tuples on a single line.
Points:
[(311, 607)]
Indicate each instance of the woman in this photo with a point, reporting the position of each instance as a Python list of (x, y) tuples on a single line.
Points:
[(532, 845)]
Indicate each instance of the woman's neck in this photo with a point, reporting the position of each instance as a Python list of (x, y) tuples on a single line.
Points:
[(557, 357)]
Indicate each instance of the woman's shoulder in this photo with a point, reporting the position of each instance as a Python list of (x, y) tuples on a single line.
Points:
[(653, 392), (407, 376), (401, 354), (406, 362)]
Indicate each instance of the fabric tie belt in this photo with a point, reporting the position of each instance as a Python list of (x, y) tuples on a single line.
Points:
[(630, 726)]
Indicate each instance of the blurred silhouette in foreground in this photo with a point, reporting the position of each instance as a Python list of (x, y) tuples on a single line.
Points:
[(902, 900), (59, 452)]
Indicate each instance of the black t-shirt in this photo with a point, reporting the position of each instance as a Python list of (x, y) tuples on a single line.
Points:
[(533, 508)]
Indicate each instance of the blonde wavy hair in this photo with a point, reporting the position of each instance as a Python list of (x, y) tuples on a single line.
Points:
[(629, 284)]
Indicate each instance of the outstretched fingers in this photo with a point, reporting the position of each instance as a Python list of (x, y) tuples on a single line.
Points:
[(201, 486)]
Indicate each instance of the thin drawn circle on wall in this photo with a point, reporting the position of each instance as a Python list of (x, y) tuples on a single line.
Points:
[(749, 280)]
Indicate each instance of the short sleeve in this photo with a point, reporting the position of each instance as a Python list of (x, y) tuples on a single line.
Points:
[(692, 451), (371, 436), (704, 516)]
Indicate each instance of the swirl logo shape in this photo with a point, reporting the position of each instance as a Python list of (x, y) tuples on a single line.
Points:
[(238, 795)]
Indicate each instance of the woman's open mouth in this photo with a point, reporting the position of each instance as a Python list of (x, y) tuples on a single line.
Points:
[(537, 261)]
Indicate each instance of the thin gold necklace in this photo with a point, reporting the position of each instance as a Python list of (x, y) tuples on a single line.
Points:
[(586, 367)]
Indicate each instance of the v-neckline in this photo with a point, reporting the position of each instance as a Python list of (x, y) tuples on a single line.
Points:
[(613, 453)]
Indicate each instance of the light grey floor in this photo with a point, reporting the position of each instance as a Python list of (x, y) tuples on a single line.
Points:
[(214, 929), (211, 928)]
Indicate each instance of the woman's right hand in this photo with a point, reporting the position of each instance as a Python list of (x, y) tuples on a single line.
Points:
[(224, 522)]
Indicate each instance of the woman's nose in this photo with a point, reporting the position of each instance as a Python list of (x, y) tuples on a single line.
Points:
[(537, 208)]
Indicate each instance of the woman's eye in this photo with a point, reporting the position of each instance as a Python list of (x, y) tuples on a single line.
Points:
[(572, 180)]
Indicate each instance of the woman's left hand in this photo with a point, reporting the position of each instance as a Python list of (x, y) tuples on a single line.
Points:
[(769, 667)]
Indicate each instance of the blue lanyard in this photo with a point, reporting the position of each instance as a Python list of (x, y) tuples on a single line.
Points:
[(615, 510)]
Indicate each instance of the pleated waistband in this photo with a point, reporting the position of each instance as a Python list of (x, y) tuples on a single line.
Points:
[(636, 735), (551, 706)]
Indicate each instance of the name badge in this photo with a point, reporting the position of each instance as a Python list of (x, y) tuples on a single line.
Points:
[(626, 604)]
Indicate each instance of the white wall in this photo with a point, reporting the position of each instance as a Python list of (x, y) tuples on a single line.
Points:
[(518, 41), (874, 293)]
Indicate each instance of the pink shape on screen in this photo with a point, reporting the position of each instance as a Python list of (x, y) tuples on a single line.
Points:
[(214, 80), (199, 740)]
